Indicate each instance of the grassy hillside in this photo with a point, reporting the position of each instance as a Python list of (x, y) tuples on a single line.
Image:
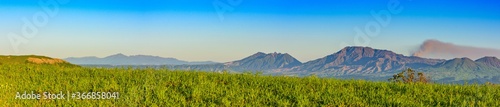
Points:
[(150, 87), (32, 59)]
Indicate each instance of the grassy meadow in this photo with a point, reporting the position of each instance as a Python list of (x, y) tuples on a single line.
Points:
[(164, 87)]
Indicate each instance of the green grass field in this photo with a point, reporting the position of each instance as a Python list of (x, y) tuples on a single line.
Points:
[(163, 87), (150, 87)]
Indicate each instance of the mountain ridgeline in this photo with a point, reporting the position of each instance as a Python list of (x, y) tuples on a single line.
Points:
[(363, 60), (121, 59), (350, 62), (256, 62), (261, 61)]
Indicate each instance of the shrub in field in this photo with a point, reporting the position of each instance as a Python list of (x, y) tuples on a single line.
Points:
[(408, 76)]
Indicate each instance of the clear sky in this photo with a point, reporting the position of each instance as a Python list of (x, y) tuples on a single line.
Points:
[(198, 30)]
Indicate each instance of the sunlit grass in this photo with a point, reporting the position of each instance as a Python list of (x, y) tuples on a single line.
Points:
[(163, 87)]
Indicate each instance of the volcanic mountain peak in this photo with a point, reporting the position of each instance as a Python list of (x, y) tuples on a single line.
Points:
[(262, 61), (464, 59), (119, 55), (256, 55), (366, 59), (488, 58), (357, 52), (260, 55), (460, 64), (491, 61), (364, 51), (356, 48)]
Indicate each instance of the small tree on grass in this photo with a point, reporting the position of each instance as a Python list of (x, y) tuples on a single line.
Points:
[(491, 84), (408, 76)]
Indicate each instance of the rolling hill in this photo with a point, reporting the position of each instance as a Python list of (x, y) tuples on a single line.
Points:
[(32, 59)]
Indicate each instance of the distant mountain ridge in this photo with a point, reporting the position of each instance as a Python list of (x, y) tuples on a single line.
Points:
[(490, 61), (468, 65), (365, 60), (349, 62), (465, 70), (262, 61), (121, 59), (460, 63), (256, 62)]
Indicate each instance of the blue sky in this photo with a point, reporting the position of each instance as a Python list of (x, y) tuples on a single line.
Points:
[(193, 30)]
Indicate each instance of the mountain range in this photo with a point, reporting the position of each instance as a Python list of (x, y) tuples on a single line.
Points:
[(364, 60), (121, 59), (350, 62), (256, 62)]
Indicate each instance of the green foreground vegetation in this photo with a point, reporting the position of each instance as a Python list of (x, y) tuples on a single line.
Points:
[(163, 87)]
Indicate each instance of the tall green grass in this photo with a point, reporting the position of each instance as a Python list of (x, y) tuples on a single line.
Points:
[(163, 87)]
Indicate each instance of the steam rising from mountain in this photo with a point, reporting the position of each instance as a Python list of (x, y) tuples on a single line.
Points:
[(438, 49)]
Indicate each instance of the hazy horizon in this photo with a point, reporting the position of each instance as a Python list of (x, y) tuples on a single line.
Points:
[(221, 31)]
